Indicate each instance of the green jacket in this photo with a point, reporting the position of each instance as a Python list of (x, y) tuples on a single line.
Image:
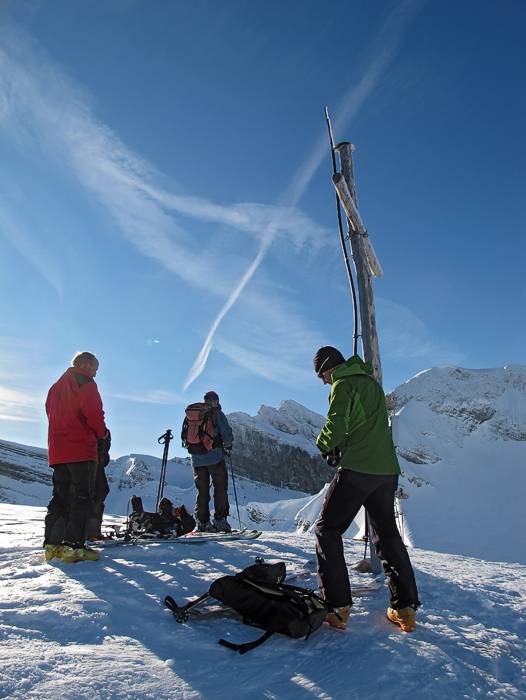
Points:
[(357, 422)]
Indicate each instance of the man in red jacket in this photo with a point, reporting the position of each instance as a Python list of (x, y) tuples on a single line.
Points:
[(76, 424)]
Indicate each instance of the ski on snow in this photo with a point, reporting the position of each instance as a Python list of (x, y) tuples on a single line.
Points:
[(190, 538)]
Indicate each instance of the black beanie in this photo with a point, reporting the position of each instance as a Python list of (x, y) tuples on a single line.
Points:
[(211, 396), (327, 358)]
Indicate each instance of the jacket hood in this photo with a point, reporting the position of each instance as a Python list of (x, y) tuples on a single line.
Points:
[(354, 365)]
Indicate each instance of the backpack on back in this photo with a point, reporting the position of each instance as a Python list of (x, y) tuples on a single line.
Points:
[(198, 431), (260, 596)]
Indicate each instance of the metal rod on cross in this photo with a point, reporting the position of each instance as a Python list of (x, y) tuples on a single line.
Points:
[(366, 264), (343, 244)]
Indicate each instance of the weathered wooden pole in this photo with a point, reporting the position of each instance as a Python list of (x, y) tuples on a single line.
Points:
[(357, 235), (365, 263)]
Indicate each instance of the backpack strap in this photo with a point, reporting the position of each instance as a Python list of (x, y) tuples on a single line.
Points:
[(243, 648)]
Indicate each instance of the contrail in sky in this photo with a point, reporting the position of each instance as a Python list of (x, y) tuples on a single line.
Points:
[(389, 37)]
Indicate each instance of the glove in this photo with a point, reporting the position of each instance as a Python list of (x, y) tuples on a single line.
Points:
[(333, 457), (103, 449)]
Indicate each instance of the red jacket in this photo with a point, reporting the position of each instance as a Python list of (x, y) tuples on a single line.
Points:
[(76, 418)]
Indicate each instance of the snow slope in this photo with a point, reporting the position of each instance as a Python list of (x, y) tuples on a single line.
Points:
[(461, 440), (24, 474), (98, 631)]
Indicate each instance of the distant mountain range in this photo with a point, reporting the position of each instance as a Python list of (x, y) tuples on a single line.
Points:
[(461, 440), (278, 446)]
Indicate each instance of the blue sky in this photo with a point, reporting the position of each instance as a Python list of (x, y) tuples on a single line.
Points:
[(166, 181)]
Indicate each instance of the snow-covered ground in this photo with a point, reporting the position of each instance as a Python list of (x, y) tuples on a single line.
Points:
[(98, 630), (461, 440)]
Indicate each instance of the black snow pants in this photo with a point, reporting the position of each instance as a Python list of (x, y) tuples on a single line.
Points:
[(71, 504), (219, 475), (348, 491), (102, 489)]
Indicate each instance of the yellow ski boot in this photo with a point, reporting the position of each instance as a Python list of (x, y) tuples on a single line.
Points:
[(405, 618), (72, 555), (338, 617), (52, 550)]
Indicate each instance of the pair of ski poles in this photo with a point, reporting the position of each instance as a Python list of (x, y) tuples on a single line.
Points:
[(165, 440)]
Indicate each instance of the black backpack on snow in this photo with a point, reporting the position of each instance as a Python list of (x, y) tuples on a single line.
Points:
[(166, 522), (260, 596)]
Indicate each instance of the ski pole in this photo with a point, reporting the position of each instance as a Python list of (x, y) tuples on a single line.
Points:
[(235, 491), (366, 536), (181, 612), (163, 440)]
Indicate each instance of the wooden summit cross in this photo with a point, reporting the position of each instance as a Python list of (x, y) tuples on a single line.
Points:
[(366, 265)]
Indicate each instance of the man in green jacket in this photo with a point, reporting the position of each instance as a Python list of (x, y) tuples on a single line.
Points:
[(356, 438)]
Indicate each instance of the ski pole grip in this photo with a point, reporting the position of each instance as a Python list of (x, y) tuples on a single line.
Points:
[(165, 437)]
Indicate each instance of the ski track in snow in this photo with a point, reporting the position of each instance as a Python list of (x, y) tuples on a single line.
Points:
[(98, 630)]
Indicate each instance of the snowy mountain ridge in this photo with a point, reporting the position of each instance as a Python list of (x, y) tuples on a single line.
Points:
[(290, 422), (278, 446), (461, 441), (492, 399)]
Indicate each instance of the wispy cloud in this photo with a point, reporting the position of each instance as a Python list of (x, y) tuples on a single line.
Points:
[(386, 44), (38, 98), (155, 396), (202, 357), (20, 406), (29, 247), (250, 217), (268, 365), (406, 337), (42, 103)]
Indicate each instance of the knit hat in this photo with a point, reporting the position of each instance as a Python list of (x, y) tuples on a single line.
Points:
[(326, 358), (211, 396)]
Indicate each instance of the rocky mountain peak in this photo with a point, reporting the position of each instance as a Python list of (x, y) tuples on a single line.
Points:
[(292, 418), (491, 401)]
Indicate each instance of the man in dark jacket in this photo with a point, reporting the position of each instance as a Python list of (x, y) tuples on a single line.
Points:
[(357, 439), (211, 465), (76, 424)]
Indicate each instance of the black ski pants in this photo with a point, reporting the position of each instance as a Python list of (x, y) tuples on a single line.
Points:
[(219, 475), (71, 504), (102, 489), (348, 491)]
